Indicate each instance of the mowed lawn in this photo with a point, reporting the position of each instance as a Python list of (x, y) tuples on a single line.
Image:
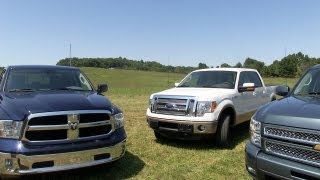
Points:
[(148, 158)]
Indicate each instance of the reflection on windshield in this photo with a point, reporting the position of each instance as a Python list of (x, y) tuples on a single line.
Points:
[(210, 79), (28, 80), (309, 84)]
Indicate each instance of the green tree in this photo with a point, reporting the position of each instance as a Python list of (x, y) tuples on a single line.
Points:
[(254, 64), (238, 65), (224, 65), (288, 66), (202, 66), (273, 69)]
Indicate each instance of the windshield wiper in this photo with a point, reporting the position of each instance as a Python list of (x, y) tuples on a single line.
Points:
[(183, 85), (22, 90), (67, 88), (314, 93)]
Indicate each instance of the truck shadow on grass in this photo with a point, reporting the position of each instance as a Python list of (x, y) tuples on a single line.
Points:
[(239, 134), (128, 166)]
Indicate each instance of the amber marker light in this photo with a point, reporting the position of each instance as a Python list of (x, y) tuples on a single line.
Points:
[(213, 106)]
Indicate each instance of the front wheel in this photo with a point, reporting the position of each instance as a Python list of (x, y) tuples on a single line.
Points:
[(223, 131)]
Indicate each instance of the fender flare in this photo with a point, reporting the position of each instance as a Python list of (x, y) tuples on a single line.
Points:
[(223, 105)]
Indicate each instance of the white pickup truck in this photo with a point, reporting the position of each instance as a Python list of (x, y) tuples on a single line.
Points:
[(208, 102)]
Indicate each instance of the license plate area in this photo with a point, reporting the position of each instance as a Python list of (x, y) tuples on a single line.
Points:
[(153, 124), (185, 128)]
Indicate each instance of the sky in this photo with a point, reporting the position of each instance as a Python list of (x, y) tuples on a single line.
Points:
[(172, 32)]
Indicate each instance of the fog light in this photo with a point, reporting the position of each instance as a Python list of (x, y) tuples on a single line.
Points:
[(251, 170), (8, 163), (201, 128)]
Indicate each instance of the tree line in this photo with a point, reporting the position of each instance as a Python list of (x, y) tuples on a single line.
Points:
[(124, 63), (291, 66)]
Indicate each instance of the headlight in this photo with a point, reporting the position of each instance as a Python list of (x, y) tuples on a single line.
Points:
[(255, 132), (10, 129), (118, 120), (205, 107), (151, 104)]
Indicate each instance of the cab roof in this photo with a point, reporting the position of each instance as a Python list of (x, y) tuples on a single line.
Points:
[(41, 67), (227, 69)]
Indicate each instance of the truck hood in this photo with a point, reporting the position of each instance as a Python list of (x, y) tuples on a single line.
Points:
[(18, 105), (200, 93), (292, 111)]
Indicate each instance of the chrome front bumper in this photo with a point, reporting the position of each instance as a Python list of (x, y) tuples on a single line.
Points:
[(209, 127), (18, 164)]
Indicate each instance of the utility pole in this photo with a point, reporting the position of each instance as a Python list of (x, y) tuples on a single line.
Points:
[(70, 55), (168, 84)]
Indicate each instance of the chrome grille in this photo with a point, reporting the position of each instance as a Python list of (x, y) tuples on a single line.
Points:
[(67, 125), (179, 106), (297, 135), (302, 153)]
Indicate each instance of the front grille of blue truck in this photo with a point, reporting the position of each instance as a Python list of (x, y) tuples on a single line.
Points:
[(292, 143), (67, 125)]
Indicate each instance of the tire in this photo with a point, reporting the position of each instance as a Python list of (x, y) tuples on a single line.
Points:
[(223, 131)]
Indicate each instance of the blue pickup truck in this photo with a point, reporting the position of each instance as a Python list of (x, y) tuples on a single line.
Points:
[(53, 119), (285, 134)]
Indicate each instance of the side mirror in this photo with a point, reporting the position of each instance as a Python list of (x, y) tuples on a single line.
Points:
[(282, 90), (102, 88), (176, 84), (246, 87)]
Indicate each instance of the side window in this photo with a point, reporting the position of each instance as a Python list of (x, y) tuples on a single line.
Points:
[(84, 84), (314, 86), (243, 79), (254, 78), (304, 85), (2, 74)]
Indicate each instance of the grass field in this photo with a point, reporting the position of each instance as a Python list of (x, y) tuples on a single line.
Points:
[(147, 158)]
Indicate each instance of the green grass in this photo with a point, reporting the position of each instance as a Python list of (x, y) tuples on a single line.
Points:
[(148, 158), (281, 81)]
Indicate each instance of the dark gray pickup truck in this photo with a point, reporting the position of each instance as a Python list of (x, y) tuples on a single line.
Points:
[(285, 134)]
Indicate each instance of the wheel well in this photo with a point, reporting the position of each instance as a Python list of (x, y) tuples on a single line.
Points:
[(231, 112)]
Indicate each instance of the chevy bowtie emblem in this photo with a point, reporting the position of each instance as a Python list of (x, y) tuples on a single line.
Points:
[(317, 147)]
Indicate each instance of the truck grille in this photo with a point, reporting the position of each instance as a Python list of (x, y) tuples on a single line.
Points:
[(301, 153), (297, 135), (179, 106), (67, 125)]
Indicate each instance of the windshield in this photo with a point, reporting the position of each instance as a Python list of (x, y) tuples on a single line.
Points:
[(309, 84), (210, 79), (46, 79)]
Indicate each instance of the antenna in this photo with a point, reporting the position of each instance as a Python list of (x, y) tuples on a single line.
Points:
[(285, 51), (285, 55), (70, 55), (168, 71)]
